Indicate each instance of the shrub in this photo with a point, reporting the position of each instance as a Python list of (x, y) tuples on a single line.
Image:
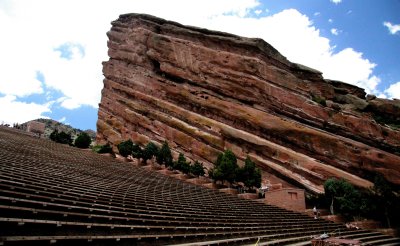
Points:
[(197, 169), (319, 100), (102, 149), (83, 141), (125, 148), (149, 151), (181, 164), (164, 155), (215, 174), (137, 152), (61, 137)]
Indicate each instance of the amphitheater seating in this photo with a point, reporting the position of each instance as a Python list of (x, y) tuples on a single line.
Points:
[(56, 194)]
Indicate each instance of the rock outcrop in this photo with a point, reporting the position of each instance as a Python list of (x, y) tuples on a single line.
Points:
[(205, 91)]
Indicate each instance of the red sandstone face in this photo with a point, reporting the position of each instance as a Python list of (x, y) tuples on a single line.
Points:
[(205, 91)]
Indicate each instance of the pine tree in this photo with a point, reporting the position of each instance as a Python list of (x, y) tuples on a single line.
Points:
[(225, 167), (164, 155), (137, 152), (197, 169), (149, 151), (83, 140), (249, 174), (228, 166), (182, 165)]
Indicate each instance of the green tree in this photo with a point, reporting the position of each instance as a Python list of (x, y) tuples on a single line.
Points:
[(215, 174), (164, 155), (149, 151), (61, 137), (182, 164), (83, 140), (197, 169), (228, 166), (65, 138), (249, 174), (386, 200), (343, 196), (125, 148), (101, 149), (54, 135), (225, 167), (137, 152)]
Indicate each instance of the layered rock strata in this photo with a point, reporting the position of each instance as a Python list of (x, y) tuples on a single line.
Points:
[(205, 91)]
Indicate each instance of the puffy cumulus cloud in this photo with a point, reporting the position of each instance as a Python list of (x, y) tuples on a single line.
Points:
[(18, 82), (66, 41), (393, 29), (289, 31), (295, 36), (393, 91), (336, 66), (13, 111)]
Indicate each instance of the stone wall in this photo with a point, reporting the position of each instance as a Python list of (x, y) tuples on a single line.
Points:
[(289, 198)]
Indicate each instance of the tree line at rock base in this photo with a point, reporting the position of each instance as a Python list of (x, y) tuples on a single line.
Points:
[(225, 168), (381, 202), (163, 156)]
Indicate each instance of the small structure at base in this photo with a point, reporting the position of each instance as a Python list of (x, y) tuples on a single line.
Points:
[(288, 198), (36, 127)]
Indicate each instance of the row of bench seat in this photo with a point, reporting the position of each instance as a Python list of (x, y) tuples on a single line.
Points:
[(52, 193)]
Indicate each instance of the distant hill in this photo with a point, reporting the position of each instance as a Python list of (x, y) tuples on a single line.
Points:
[(52, 125)]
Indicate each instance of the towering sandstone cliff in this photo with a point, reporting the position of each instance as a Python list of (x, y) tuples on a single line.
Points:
[(205, 91)]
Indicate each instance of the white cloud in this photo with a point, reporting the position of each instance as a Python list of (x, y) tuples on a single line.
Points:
[(337, 65), (330, 20), (258, 11), (317, 13), (335, 31), (62, 119), (33, 31), (394, 90), (336, 1), (13, 111), (18, 81), (393, 29), (309, 47)]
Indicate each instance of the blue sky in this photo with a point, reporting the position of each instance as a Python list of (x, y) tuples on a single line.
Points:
[(51, 50)]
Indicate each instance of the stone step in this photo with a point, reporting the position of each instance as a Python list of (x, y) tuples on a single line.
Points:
[(385, 241)]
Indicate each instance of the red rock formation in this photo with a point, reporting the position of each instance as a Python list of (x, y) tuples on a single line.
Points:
[(205, 91)]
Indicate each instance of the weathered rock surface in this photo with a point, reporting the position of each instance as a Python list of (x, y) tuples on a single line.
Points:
[(205, 91)]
